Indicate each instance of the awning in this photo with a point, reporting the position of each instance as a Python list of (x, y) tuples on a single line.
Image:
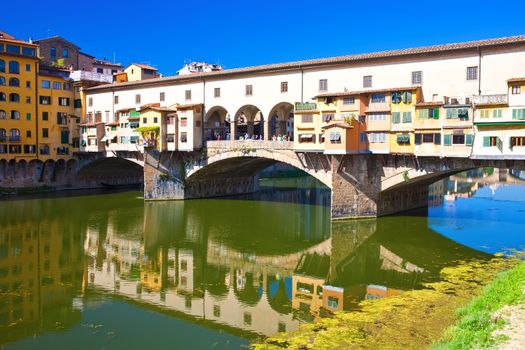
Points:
[(104, 138), (306, 136)]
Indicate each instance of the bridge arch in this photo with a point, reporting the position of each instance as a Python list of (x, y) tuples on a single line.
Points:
[(280, 120), (216, 123), (248, 119), (111, 171)]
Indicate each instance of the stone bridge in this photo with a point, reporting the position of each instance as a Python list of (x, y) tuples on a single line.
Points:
[(362, 185)]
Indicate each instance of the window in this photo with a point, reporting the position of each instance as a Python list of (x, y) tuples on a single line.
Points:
[(428, 113), (61, 118), (3, 96), (348, 100), (335, 137), (90, 102), (367, 81), (28, 67), (472, 73), (247, 318), (15, 115), (377, 137), (249, 90), (45, 132), (407, 117), (187, 95), (137, 98), (63, 101), (378, 98), (13, 97), (144, 120), (417, 77), (14, 135), (284, 86), (323, 85), (3, 114), (28, 84), (217, 92), (216, 311), (115, 99), (362, 137), (327, 117), (396, 117), (46, 84), (53, 54), (15, 149), (14, 82), (66, 86), (307, 118), (458, 139), (28, 99), (403, 139), (376, 117), (517, 141), (28, 116), (45, 116), (100, 71), (333, 302), (183, 122), (162, 96), (14, 67), (2, 81), (3, 135), (306, 138), (518, 114), (13, 49), (57, 85), (65, 53), (155, 120), (45, 100), (455, 113), (184, 137), (77, 103), (516, 89)]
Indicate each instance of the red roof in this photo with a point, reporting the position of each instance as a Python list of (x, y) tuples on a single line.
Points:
[(516, 80), (470, 45)]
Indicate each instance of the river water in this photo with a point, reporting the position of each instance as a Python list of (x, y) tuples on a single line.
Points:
[(108, 271)]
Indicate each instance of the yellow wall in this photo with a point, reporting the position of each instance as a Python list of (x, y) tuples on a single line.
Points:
[(27, 122), (395, 147), (51, 124)]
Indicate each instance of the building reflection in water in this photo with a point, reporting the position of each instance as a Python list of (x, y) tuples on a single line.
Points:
[(250, 267)]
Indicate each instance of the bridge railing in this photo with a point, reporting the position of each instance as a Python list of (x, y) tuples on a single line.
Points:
[(251, 144)]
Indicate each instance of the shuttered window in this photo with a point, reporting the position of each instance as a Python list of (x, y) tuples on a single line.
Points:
[(396, 117)]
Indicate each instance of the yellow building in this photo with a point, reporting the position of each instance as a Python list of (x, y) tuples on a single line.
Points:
[(427, 126), (58, 130), (153, 125), (137, 71), (403, 111), (309, 135), (18, 106)]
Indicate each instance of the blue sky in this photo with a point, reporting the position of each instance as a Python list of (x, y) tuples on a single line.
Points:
[(244, 33)]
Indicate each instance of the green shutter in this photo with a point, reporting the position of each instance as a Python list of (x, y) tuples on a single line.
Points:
[(486, 141), (407, 117), (436, 113), (28, 116), (396, 116), (447, 140), (468, 139)]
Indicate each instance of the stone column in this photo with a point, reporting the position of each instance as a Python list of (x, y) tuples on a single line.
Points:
[(249, 128), (161, 182), (233, 128)]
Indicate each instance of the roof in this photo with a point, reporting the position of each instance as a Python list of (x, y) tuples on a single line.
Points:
[(338, 125), (9, 38), (435, 49), (141, 65), (188, 106), (429, 104), (57, 37), (367, 91), (516, 80), (106, 63)]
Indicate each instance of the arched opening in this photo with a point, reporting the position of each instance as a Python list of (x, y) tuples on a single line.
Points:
[(111, 172), (280, 121), (248, 123), (217, 124)]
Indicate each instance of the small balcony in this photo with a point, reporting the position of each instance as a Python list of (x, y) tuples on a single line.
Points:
[(80, 75), (14, 139), (500, 99)]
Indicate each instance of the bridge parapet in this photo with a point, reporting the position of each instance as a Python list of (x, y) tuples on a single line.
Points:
[(249, 144)]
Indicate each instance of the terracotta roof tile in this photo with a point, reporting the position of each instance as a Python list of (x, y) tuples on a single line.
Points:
[(367, 91), (429, 103), (505, 41), (516, 80)]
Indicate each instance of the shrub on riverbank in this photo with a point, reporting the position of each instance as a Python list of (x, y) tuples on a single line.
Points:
[(476, 325)]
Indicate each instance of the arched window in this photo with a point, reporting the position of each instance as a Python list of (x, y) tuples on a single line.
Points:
[(2, 114), (2, 96), (15, 115), (14, 67), (2, 80), (3, 135), (13, 97), (14, 135), (14, 82), (2, 66)]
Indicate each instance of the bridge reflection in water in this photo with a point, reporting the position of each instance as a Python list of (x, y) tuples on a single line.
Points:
[(247, 267)]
